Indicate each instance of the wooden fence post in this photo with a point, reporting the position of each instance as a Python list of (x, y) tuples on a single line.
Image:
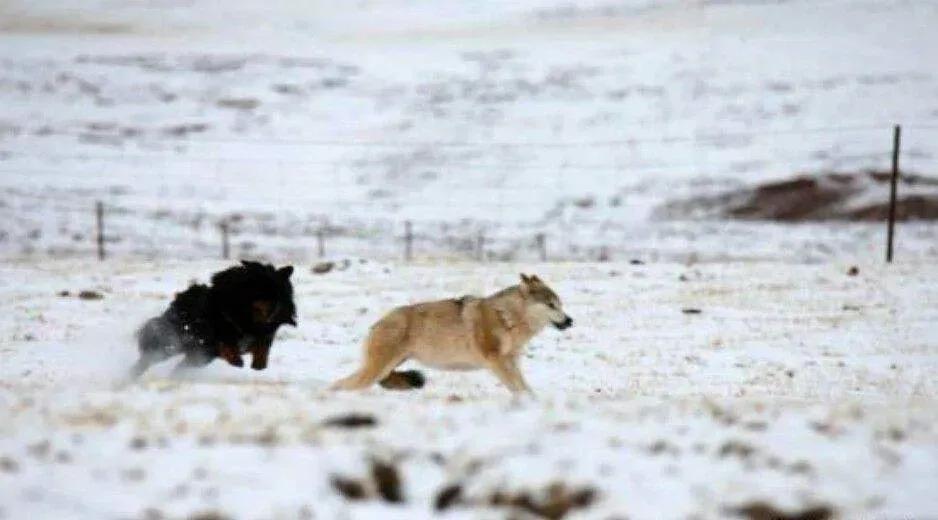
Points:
[(541, 241), (604, 255), (225, 247), (99, 217), (890, 230), (321, 242), (408, 241)]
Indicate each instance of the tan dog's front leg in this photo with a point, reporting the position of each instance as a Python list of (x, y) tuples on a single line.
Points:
[(489, 344), (517, 375), (231, 354), (501, 367), (259, 354)]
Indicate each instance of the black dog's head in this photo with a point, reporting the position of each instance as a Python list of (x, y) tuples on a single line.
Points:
[(257, 297)]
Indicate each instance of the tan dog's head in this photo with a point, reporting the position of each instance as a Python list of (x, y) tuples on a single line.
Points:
[(543, 302)]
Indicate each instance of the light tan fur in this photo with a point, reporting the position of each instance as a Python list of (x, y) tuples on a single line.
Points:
[(462, 333)]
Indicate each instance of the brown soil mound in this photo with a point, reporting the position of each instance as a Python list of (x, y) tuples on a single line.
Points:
[(829, 196)]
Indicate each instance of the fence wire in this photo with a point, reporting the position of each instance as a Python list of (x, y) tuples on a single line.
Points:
[(326, 204)]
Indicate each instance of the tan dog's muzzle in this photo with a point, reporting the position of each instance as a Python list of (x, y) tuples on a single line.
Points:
[(565, 324)]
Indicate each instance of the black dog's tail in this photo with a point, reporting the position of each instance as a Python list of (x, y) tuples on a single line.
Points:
[(404, 380), (156, 340)]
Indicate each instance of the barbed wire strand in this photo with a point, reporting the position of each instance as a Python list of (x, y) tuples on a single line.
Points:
[(456, 143)]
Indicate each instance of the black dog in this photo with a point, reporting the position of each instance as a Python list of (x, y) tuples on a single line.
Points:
[(239, 313)]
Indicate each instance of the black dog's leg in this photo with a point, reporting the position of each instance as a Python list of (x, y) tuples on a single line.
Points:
[(259, 356), (157, 342), (141, 366), (193, 359), (231, 354), (260, 352)]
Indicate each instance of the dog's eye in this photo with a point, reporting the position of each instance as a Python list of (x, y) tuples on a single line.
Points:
[(551, 305)]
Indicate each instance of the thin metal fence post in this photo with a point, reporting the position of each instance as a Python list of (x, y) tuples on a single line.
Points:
[(894, 182)]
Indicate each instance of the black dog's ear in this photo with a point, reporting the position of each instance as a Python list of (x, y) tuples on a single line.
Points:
[(248, 263), (285, 271)]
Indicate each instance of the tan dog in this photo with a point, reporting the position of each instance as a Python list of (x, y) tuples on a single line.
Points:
[(462, 333)]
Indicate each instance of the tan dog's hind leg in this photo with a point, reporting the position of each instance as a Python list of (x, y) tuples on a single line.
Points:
[(385, 349), (375, 369)]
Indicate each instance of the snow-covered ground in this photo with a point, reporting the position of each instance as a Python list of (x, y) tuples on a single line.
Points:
[(796, 385), (575, 120)]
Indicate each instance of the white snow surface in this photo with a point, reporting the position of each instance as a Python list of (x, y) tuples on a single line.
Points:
[(798, 385), (575, 120)]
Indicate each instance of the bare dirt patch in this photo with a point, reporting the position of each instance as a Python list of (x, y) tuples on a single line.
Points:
[(853, 197)]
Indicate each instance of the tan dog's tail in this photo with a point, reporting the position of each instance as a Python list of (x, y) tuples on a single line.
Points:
[(403, 380)]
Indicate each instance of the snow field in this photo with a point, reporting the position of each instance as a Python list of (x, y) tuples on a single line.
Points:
[(796, 384)]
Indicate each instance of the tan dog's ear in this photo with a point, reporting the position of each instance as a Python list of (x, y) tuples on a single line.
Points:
[(525, 285), (534, 278)]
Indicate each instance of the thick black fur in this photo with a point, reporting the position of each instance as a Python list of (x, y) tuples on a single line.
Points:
[(240, 312)]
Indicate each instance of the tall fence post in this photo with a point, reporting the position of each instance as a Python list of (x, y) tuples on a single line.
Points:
[(99, 218), (893, 186), (408, 241), (321, 242), (225, 246), (541, 241)]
